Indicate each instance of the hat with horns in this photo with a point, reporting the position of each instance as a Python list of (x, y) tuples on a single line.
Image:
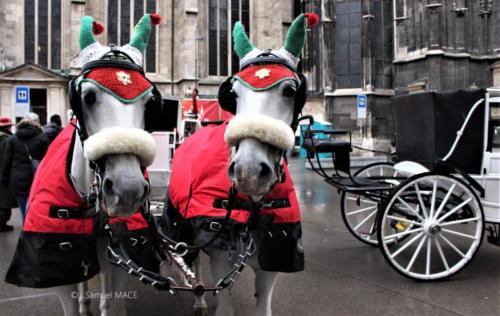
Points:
[(91, 49), (294, 40)]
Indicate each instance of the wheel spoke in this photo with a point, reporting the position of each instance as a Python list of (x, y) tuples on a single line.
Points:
[(428, 261), (415, 255), (452, 245), (402, 219), (365, 220), (362, 200), (441, 254), (433, 198), (369, 208), (408, 244), (461, 221), (458, 234), (445, 200), (397, 235), (420, 201), (410, 208), (454, 210)]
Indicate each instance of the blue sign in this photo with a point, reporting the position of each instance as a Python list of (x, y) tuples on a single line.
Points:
[(361, 105), (22, 95)]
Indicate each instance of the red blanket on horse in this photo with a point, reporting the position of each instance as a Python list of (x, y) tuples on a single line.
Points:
[(199, 184), (58, 242)]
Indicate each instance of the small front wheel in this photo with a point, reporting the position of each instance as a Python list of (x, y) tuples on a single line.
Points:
[(359, 211)]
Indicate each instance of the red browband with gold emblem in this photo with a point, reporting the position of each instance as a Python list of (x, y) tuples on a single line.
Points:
[(264, 77), (126, 85)]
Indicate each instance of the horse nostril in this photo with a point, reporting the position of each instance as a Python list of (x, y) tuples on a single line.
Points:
[(265, 171), (231, 169), (107, 186)]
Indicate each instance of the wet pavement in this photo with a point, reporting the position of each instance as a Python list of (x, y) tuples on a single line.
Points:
[(342, 276)]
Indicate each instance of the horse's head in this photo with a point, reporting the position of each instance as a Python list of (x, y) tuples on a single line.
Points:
[(111, 98), (267, 95)]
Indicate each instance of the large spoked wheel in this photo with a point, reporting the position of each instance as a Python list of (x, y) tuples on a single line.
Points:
[(431, 226), (359, 211)]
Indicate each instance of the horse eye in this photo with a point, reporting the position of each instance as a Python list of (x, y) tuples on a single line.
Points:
[(89, 97), (289, 92)]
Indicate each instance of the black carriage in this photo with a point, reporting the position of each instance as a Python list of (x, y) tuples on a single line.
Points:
[(428, 208)]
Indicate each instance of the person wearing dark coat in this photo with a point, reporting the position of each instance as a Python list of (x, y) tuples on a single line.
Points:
[(17, 172), (53, 129), (7, 200)]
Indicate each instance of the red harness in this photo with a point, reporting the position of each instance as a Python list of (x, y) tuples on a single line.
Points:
[(52, 188), (199, 176)]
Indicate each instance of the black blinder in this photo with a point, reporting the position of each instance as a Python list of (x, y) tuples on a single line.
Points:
[(226, 96), (156, 113)]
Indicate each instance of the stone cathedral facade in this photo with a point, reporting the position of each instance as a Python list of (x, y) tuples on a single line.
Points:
[(377, 48)]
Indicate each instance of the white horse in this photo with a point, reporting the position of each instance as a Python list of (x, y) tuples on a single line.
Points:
[(266, 97), (118, 141), (110, 99)]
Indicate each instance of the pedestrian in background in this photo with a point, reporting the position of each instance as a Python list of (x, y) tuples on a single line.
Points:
[(52, 129), (7, 200), (28, 143)]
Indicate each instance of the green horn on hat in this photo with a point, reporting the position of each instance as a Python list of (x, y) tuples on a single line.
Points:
[(87, 30), (242, 44), (141, 32), (296, 35)]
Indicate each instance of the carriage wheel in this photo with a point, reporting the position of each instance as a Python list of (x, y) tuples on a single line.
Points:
[(359, 211), (445, 226)]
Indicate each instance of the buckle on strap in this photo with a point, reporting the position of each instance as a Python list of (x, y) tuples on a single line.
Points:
[(63, 213), (215, 226), (66, 245)]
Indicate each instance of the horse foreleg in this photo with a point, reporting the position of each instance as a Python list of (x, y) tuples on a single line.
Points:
[(220, 266), (112, 284), (83, 299), (200, 306), (68, 296), (264, 286)]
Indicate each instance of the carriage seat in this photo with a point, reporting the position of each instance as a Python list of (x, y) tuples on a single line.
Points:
[(325, 145)]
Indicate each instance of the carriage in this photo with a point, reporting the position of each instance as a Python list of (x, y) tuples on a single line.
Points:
[(427, 210)]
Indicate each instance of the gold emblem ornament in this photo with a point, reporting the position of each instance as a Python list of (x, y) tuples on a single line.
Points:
[(263, 73), (123, 77)]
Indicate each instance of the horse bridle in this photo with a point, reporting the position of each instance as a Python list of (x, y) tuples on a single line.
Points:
[(115, 59), (227, 97)]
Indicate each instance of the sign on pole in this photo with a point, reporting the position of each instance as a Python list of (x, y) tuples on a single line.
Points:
[(22, 104), (361, 105)]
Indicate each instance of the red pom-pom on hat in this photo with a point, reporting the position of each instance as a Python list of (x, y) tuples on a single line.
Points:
[(155, 18), (97, 28), (312, 19)]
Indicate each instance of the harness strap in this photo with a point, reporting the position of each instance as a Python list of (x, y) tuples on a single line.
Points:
[(62, 212), (247, 206)]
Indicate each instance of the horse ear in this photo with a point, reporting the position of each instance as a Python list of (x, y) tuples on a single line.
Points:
[(296, 35), (88, 29), (140, 36), (242, 44)]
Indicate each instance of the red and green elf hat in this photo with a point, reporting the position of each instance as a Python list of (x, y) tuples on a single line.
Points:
[(91, 49), (294, 40)]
